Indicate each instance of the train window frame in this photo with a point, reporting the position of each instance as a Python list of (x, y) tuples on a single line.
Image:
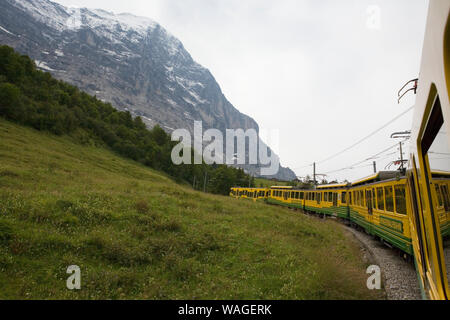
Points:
[(374, 198), (401, 185), (382, 199), (387, 207), (437, 188), (343, 197), (446, 197), (362, 197), (429, 132)]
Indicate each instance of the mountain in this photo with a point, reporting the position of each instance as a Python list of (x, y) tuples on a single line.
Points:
[(129, 61)]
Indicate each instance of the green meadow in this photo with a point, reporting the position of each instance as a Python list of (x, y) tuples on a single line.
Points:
[(136, 234)]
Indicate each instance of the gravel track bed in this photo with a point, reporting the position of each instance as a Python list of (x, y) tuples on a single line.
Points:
[(399, 276)]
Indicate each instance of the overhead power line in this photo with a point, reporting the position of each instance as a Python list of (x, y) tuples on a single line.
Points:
[(361, 140), (368, 136), (354, 166)]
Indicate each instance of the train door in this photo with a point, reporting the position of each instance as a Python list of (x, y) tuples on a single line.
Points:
[(369, 206), (434, 145)]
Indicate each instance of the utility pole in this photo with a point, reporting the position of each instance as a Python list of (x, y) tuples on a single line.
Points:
[(204, 183), (402, 135), (193, 184), (314, 174), (374, 167), (401, 156)]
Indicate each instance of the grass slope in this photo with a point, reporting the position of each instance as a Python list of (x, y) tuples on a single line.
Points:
[(266, 183), (136, 234)]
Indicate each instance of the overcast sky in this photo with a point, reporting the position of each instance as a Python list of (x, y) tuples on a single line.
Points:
[(325, 73)]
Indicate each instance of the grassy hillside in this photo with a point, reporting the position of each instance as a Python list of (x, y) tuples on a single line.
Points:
[(34, 98), (266, 183), (136, 234)]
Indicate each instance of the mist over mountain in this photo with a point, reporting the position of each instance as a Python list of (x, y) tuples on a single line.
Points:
[(131, 62)]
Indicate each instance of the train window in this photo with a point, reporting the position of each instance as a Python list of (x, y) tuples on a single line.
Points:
[(343, 200), (361, 198), (301, 195), (325, 197), (330, 196), (389, 196), (373, 199), (446, 197), (439, 195), (380, 199), (350, 198), (400, 199)]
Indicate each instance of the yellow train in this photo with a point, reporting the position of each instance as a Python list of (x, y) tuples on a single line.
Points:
[(409, 211)]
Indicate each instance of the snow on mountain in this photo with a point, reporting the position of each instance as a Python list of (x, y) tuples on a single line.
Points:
[(131, 62)]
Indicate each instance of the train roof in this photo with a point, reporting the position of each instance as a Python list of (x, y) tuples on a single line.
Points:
[(379, 176), (333, 186), (440, 174), (281, 187)]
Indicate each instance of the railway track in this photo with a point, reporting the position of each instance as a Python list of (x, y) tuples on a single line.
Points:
[(399, 276)]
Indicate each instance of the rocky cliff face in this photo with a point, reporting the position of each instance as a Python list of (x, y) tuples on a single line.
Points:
[(129, 61)]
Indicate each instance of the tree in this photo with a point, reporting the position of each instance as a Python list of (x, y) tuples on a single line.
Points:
[(11, 102)]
